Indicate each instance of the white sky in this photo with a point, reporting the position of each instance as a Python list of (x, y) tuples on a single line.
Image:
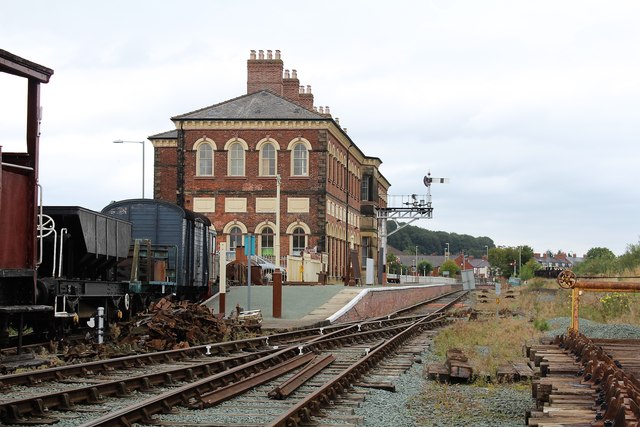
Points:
[(530, 108)]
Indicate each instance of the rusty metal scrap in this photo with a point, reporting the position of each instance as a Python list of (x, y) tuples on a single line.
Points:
[(170, 325), (316, 365)]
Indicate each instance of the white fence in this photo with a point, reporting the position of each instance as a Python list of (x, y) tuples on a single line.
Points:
[(294, 268), (407, 279)]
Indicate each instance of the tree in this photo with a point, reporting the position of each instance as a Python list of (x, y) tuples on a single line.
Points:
[(598, 261), (393, 264), (602, 253), (424, 268), (509, 259), (630, 260), (450, 266), (529, 269)]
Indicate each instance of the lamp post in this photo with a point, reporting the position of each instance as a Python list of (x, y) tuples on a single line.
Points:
[(119, 141), (277, 274), (446, 253), (417, 273)]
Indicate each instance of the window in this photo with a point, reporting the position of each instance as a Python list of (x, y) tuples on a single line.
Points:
[(268, 160), (366, 188), (236, 159), (266, 241), (204, 159), (299, 241), (366, 250), (300, 160), (235, 238)]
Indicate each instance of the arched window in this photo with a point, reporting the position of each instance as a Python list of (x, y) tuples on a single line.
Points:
[(236, 159), (300, 160), (266, 241), (299, 241), (268, 160), (235, 238), (204, 159)]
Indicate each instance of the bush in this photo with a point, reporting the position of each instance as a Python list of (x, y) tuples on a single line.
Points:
[(541, 325)]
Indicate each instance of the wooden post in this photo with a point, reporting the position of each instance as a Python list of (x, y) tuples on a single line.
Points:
[(277, 293)]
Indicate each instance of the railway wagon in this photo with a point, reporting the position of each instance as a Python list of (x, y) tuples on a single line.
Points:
[(80, 253), (184, 235), (19, 201)]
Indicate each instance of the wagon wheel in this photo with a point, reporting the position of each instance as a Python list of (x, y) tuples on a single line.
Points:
[(566, 279)]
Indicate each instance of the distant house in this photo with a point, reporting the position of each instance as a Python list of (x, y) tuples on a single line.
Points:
[(551, 265), (480, 266), (560, 261)]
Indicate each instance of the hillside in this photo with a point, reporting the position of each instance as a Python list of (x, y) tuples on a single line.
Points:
[(435, 242)]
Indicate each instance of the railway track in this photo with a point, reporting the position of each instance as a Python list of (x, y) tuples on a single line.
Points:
[(281, 380), (586, 382)]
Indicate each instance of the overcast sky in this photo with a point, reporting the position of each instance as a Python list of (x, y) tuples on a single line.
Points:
[(530, 108)]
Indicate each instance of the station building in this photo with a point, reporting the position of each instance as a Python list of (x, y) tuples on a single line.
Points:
[(237, 161)]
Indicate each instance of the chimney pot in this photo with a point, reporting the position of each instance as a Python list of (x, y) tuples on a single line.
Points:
[(315, 109), (286, 74), (321, 109), (261, 54), (301, 89), (277, 54), (308, 88), (337, 119), (269, 54), (326, 110), (252, 55), (294, 74)]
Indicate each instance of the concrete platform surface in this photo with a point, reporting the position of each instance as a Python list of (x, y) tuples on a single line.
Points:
[(302, 306)]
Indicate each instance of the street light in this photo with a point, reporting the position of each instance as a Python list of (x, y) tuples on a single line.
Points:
[(446, 254), (119, 141), (417, 272)]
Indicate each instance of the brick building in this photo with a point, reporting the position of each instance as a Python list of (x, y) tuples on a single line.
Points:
[(224, 161)]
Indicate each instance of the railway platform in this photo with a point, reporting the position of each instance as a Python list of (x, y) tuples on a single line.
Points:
[(307, 306), (302, 306)]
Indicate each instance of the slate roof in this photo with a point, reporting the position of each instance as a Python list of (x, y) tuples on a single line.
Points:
[(172, 134), (263, 105)]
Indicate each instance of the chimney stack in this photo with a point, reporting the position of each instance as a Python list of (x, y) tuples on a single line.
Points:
[(306, 98), (268, 73), (264, 74), (290, 86)]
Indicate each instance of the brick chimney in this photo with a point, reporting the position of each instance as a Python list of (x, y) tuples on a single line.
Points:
[(290, 86), (265, 73), (306, 97)]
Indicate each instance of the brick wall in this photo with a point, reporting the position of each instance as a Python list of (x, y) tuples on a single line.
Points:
[(381, 302)]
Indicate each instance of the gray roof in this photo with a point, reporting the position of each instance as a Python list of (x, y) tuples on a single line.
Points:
[(172, 134), (263, 105)]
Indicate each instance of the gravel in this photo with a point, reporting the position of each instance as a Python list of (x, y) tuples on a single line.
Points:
[(419, 401), (592, 329)]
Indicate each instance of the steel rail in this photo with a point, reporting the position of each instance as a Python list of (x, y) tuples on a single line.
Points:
[(303, 410), (432, 300), (15, 411), (143, 412), (125, 362), (220, 395), (292, 384)]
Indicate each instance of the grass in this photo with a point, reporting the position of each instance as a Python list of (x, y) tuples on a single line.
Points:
[(492, 341)]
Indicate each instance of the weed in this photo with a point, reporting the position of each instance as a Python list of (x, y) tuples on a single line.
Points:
[(541, 325)]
